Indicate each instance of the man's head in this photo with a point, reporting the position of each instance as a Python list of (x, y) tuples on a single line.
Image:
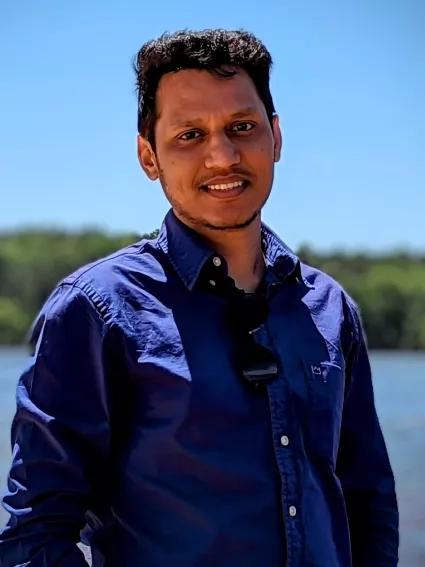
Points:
[(207, 125)]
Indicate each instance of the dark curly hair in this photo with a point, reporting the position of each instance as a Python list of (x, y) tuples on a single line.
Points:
[(208, 49)]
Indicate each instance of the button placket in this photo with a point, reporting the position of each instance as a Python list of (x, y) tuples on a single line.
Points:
[(286, 461)]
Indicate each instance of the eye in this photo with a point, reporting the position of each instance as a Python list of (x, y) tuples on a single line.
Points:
[(242, 127), (191, 135)]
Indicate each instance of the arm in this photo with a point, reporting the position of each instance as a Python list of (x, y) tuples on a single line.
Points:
[(363, 465), (60, 435)]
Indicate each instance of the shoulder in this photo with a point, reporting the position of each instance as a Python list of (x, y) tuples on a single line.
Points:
[(107, 284), (328, 299)]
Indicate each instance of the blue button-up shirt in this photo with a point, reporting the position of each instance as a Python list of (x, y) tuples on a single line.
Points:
[(134, 423)]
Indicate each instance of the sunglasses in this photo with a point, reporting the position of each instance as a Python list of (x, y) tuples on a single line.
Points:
[(257, 363)]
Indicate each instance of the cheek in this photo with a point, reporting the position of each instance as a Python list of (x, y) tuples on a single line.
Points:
[(170, 165), (262, 159), (176, 176), (260, 148), (183, 168)]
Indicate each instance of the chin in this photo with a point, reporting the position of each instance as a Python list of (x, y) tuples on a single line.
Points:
[(236, 223)]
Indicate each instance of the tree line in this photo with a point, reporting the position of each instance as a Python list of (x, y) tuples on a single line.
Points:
[(389, 289)]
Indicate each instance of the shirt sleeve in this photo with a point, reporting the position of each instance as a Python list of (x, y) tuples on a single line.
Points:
[(60, 435), (364, 467)]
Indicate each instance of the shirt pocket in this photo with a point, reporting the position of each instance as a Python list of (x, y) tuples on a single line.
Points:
[(325, 384)]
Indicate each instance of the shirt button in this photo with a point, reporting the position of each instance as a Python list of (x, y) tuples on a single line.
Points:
[(284, 440), (292, 511), (212, 282), (217, 261)]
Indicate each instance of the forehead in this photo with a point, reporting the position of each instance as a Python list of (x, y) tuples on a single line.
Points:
[(198, 93)]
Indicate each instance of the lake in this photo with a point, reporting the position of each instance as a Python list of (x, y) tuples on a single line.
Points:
[(399, 381)]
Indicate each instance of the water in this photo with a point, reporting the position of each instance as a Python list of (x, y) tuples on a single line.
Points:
[(399, 381)]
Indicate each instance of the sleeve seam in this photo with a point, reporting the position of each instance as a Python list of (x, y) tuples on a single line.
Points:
[(95, 300)]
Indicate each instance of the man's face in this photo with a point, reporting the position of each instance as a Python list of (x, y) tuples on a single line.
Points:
[(215, 148)]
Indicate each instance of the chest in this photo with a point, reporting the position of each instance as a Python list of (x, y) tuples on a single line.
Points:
[(185, 382)]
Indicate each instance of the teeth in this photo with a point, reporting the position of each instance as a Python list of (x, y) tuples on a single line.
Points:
[(225, 186)]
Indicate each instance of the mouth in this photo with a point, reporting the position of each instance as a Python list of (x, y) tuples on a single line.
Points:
[(225, 190)]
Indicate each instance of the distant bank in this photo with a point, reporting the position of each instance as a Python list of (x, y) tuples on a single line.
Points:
[(389, 289)]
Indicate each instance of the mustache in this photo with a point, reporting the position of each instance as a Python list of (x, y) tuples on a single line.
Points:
[(203, 180)]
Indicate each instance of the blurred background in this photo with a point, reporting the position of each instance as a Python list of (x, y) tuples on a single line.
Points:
[(349, 195)]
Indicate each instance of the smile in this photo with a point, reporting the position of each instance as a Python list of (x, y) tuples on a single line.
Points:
[(225, 186), (225, 191)]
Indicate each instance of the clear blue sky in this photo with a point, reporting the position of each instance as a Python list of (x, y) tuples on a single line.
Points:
[(348, 82)]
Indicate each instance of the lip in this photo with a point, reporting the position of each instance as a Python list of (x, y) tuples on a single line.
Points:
[(225, 194), (224, 180)]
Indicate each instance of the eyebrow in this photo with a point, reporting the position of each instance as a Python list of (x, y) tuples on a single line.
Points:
[(189, 123), (248, 111)]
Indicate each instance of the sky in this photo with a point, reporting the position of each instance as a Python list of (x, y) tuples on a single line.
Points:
[(348, 82)]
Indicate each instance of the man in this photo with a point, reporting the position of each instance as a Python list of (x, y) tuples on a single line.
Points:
[(203, 399)]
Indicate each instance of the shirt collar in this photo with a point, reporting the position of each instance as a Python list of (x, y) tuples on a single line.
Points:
[(188, 253)]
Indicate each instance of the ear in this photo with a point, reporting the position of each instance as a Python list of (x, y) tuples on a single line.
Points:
[(147, 158), (277, 136)]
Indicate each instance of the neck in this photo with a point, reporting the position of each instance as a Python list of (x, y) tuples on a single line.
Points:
[(243, 253)]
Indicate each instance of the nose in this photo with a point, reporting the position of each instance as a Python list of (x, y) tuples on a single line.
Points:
[(221, 152)]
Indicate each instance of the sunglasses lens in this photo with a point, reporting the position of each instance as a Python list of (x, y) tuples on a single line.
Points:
[(258, 364)]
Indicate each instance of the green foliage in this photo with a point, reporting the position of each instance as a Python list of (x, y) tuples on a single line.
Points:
[(390, 290)]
